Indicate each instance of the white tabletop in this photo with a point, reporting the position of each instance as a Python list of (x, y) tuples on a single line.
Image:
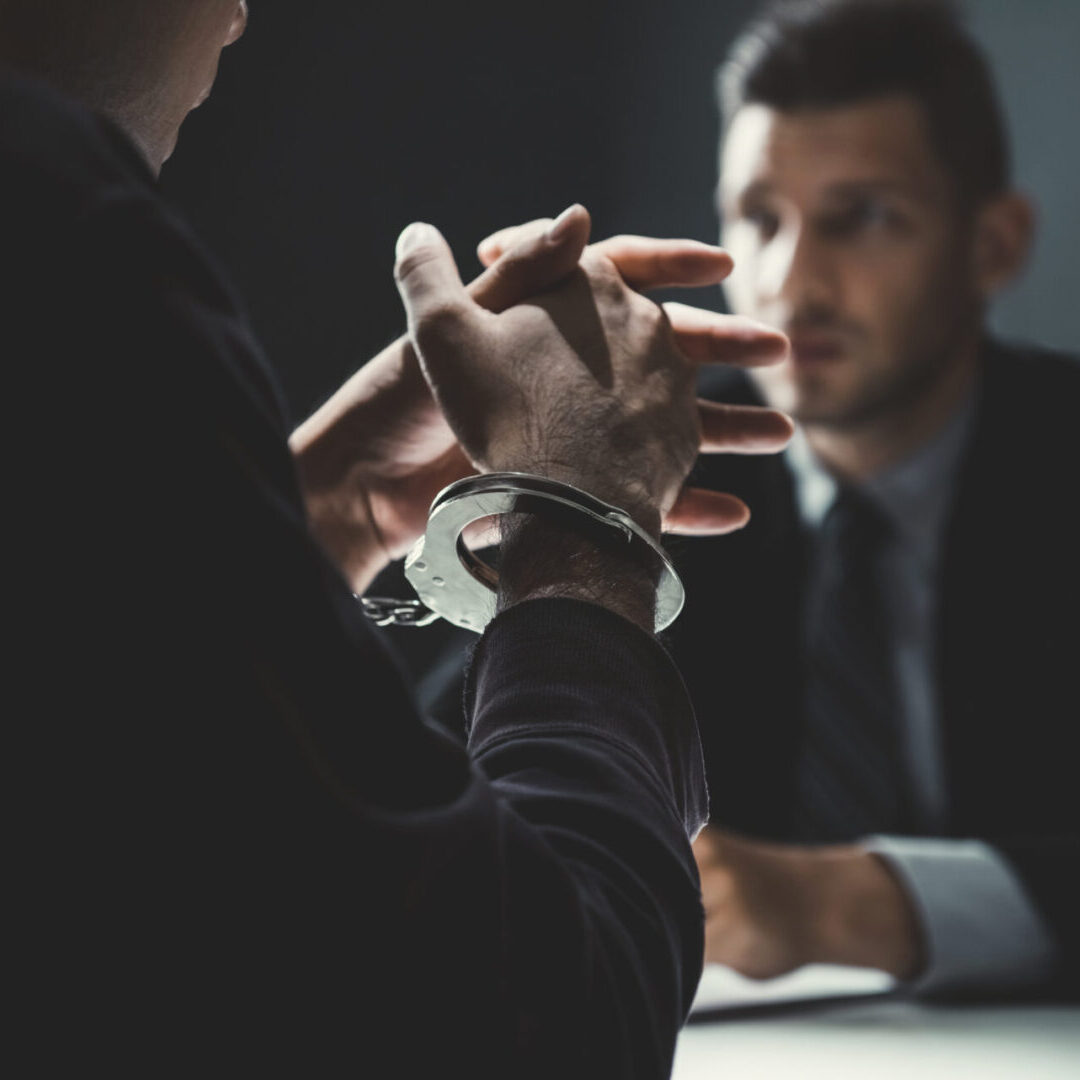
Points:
[(757, 1037)]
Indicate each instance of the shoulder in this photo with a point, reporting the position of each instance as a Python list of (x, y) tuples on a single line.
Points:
[(94, 240), (1021, 468), (57, 156), (81, 212), (1030, 399), (1024, 374)]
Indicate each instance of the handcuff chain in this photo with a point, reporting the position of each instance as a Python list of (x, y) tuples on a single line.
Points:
[(391, 611)]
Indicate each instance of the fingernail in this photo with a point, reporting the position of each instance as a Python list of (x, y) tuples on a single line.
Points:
[(415, 235), (558, 229)]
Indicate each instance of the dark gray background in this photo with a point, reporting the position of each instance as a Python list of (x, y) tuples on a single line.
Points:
[(336, 123)]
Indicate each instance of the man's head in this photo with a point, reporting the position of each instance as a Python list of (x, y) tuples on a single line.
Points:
[(865, 191), (144, 63)]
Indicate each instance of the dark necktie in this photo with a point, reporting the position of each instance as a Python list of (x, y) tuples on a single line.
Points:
[(849, 774)]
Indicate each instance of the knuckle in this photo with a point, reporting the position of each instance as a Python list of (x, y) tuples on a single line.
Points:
[(514, 264), (650, 311), (440, 313), (602, 272), (409, 265), (438, 323), (652, 318)]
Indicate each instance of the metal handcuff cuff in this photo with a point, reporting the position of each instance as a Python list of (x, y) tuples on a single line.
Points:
[(454, 584)]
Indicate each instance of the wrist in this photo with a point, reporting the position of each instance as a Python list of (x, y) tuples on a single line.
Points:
[(861, 915), (621, 492), (539, 559)]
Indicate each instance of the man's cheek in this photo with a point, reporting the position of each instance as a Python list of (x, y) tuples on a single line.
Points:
[(743, 285), (736, 289), (883, 304)]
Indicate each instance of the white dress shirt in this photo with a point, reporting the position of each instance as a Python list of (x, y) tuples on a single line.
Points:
[(980, 928)]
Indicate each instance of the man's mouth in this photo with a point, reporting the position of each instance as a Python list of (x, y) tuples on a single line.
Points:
[(815, 350)]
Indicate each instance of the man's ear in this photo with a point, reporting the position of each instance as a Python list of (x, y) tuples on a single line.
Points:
[(239, 23), (1004, 229)]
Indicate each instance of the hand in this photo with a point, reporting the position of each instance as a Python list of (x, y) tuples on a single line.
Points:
[(771, 908), (589, 382), (372, 459), (585, 383)]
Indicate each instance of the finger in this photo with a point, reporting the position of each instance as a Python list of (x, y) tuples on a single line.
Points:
[(495, 246), (698, 512), (427, 278), (642, 261), (743, 429), (707, 337), (539, 260), (646, 263)]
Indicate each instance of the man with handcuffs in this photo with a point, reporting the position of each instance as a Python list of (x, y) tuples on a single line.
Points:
[(243, 850)]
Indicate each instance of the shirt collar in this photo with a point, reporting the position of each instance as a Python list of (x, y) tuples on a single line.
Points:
[(915, 493)]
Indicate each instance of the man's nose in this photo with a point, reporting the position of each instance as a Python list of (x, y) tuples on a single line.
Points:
[(799, 270)]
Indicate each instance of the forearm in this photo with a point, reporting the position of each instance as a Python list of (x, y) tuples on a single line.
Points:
[(858, 914), (583, 726)]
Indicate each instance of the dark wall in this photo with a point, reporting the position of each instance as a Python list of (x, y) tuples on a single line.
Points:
[(336, 122), (329, 132)]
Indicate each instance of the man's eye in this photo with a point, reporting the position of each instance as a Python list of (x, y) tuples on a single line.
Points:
[(859, 217), (764, 221)]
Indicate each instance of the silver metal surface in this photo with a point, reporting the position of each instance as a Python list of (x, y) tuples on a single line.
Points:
[(452, 582), (390, 611)]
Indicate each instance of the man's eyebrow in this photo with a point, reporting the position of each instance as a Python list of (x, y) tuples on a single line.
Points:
[(754, 190), (841, 189), (878, 186)]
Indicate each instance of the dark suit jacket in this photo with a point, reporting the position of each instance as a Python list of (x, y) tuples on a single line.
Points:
[(234, 848), (1009, 635)]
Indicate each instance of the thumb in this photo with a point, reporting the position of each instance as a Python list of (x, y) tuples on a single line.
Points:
[(428, 280)]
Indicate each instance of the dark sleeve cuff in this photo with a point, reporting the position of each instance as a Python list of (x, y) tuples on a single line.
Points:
[(582, 667)]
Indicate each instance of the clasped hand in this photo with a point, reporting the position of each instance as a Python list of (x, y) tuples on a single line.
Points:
[(551, 362)]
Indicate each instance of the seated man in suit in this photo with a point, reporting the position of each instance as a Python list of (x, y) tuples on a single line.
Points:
[(881, 661)]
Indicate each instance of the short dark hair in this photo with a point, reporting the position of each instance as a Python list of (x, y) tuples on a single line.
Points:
[(825, 53)]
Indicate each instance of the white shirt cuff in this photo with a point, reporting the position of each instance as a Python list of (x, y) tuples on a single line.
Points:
[(981, 930)]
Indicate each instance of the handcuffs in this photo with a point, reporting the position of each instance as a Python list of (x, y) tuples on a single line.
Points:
[(454, 584)]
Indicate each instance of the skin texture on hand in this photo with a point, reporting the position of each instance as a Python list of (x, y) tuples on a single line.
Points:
[(372, 459), (771, 908)]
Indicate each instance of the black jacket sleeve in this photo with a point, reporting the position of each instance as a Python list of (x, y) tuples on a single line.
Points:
[(242, 842)]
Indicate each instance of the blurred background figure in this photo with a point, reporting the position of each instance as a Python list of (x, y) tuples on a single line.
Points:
[(952, 601), (611, 103), (907, 578), (860, 711)]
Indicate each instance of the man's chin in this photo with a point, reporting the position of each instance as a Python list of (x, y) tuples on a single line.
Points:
[(806, 398)]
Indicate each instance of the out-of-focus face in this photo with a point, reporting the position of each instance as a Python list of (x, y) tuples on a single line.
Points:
[(144, 63), (846, 235), (207, 27)]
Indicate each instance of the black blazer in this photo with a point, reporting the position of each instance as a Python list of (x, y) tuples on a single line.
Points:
[(1008, 635)]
